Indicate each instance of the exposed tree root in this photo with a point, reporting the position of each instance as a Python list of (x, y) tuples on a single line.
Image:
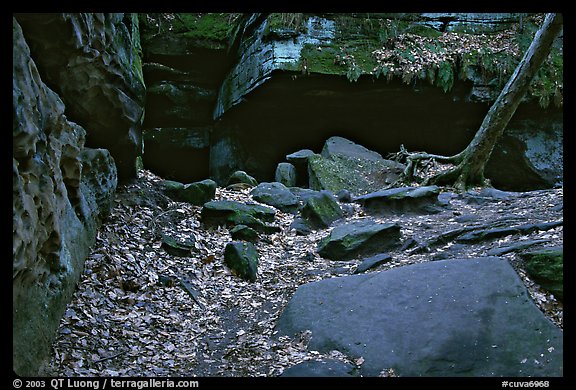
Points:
[(458, 177)]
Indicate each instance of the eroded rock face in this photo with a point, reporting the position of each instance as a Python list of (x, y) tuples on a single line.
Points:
[(92, 60), (287, 83), (184, 64), (61, 191)]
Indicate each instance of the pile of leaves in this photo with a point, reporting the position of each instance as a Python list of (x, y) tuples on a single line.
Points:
[(140, 311), (131, 315)]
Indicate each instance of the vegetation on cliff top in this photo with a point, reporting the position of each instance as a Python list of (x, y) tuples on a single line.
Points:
[(395, 48), (205, 28), (389, 47)]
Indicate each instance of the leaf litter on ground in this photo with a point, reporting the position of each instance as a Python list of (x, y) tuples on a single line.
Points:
[(139, 311)]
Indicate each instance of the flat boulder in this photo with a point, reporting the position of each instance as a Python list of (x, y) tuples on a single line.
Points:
[(232, 213), (460, 317), (415, 200), (277, 195), (363, 237)]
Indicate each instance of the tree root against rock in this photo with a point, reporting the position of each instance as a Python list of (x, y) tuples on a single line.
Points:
[(427, 168)]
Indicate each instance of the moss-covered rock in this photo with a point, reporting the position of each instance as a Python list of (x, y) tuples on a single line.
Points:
[(244, 233), (242, 177), (232, 213), (321, 209), (242, 258), (177, 30), (345, 165), (546, 267), (359, 238)]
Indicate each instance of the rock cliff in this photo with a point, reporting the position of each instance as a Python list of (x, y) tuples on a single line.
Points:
[(184, 64), (92, 60), (61, 192), (300, 78)]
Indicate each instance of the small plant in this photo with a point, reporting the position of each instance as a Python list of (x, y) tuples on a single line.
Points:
[(345, 59)]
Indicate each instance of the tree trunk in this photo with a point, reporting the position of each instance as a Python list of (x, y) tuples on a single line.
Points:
[(472, 160)]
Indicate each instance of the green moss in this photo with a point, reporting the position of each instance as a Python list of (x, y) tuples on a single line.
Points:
[(321, 59), (208, 26), (423, 31), (338, 172), (351, 54), (285, 22), (213, 29), (546, 267)]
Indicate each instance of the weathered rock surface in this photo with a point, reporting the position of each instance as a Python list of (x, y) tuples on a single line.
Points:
[(92, 60), (178, 247), (244, 233), (242, 258), (277, 195), (401, 200), (463, 317), (196, 193), (372, 262), (321, 209), (363, 237), (286, 174), (345, 165), (232, 213), (286, 68), (184, 64), (300, 161), (530, 155), (242, 177), (61, 193)]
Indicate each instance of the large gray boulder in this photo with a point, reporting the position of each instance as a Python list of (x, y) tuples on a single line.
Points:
[(345, 165), (463, 317)]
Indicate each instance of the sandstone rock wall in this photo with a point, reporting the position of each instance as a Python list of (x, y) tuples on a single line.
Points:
[(61, 192), (298, 79), (184, 64), (92, 60)]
